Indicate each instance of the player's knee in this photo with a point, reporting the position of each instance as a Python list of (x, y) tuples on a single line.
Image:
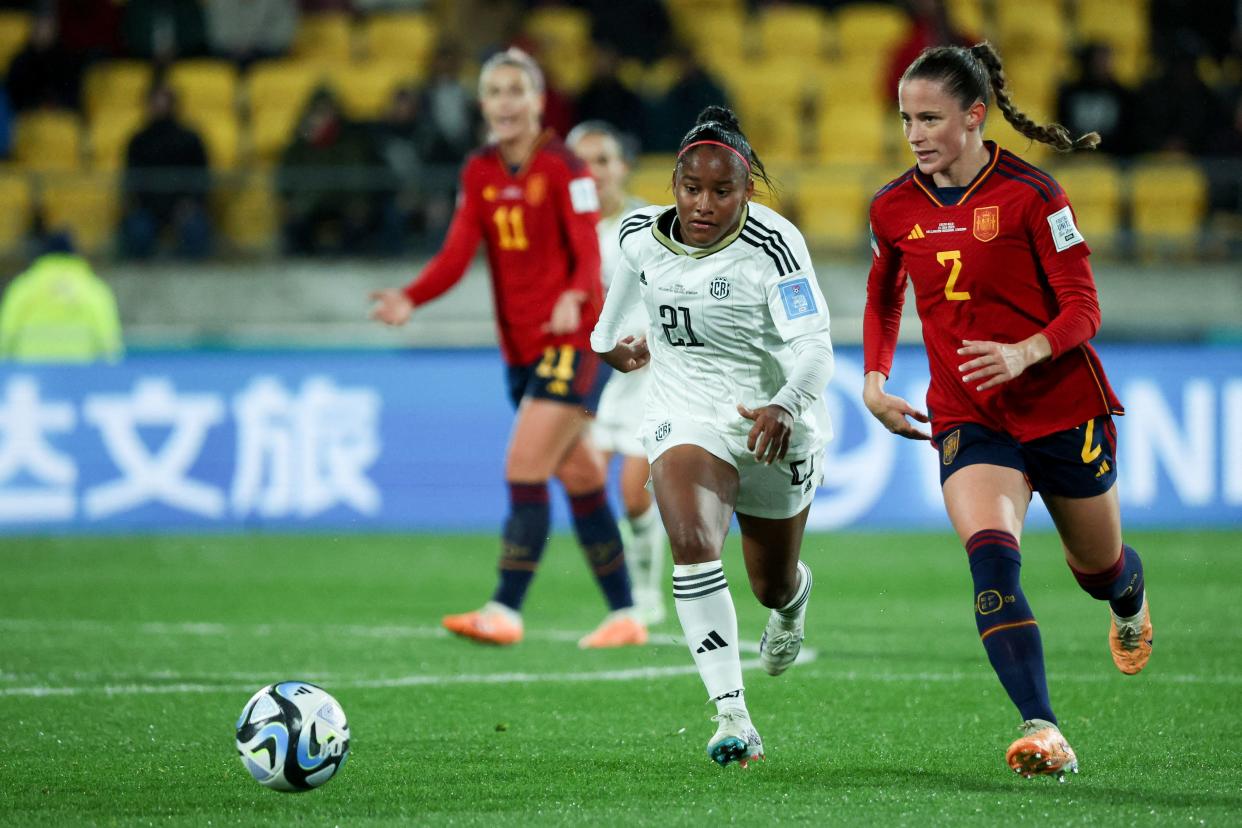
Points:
[(693, 543), (578, 477), (636, 499)]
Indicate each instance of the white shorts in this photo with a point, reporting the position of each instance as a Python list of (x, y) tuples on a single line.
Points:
[(780, 490), (620, 413)]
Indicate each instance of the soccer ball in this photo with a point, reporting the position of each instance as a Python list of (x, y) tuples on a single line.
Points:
[(292, 736)]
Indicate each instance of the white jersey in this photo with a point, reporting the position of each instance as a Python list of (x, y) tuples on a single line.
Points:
[(720, 317), (609, 230)]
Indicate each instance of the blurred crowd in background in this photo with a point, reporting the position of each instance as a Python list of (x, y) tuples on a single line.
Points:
[(223, 128)]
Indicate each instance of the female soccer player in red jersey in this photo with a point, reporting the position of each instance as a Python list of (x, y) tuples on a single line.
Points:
[(1018, 400), (536, 207)]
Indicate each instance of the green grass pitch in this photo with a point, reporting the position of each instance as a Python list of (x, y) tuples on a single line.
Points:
[(124, 663)]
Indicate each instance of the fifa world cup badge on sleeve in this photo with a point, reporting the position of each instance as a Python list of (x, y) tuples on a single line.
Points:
[(583, 196), (798, 299), (1064, 232)]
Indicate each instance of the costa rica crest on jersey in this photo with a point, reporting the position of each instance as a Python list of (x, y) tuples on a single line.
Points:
[(719, 288), (987, 223)]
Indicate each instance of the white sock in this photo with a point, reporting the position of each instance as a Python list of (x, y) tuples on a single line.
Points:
[(709, 621), (647, 549), (796, 604)]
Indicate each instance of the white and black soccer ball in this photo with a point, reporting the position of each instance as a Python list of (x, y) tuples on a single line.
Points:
[(292, 736)]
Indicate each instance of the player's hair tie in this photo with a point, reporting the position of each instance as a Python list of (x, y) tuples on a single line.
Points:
[(694, 144)]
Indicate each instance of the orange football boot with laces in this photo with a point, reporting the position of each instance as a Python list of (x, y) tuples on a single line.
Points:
[(619, 629), (1042, 751), (1130, 641), (490, 625)]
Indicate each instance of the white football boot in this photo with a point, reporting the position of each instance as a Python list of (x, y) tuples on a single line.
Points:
[(736, 739), (782, 637)]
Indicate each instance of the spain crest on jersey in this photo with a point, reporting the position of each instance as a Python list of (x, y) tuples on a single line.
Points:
[(948, 448), (987, 223), (719, 288)]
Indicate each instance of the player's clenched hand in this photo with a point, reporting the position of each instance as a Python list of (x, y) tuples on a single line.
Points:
[(892, 410), (769, 436), (566, 314), (630, 354), (999, 362), (391, 306)]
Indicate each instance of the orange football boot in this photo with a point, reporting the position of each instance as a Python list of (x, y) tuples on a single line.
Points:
[(1042, 751), (491, 625), (619, 629), (1131, 642)]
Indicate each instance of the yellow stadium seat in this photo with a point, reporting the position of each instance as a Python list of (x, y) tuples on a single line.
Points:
[(204, 86), (116, 85), (365, 89), (771, 98), (857, 135), (401, 38), (1125, 25), (14, 32), (1032, 27), (1094, 189), (652, 180), (718, 39), (832, 207), (247, 212), (15, 211), (793, 30), (277, 92), (559, 27), (967, 17), (86, 204), (840, 82), (1168, 203), (324, 38), (867, 33), (221, 137), (48, 140), (109, 134)]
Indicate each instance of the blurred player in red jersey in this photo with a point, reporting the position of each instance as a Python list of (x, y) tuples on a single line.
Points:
[(1018, 400), (536, 207)]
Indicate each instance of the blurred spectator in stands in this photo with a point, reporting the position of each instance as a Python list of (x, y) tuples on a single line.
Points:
[(248, 30), (397, 143), (90, 29), (369, 6), (1176, 108), (329, 203), (1211, 22), (606, 98), (43, 73), (929, 26), (164, 30), (166, 184), (638, 29), (58, 310), (670, 116), (449, 126), (1097, 102)]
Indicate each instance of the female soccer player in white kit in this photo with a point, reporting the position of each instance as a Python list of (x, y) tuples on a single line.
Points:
[(620, 412), (735, 422)]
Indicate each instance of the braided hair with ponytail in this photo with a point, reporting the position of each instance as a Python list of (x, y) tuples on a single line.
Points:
[(976, 74)]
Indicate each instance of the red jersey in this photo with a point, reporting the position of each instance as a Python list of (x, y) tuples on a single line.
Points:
[(1005, 262), (539, 224)]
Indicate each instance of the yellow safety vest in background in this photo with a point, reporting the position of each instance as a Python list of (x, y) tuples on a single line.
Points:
[(59, 311)]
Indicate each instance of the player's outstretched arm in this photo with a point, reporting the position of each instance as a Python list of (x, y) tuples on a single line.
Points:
[(892, 410), (391, 306), (630, 354)]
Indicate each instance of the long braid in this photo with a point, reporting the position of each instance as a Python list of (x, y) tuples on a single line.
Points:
[(1052, 134)]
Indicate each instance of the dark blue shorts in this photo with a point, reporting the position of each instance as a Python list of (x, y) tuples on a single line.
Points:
[(564, 374), (1077, 462)]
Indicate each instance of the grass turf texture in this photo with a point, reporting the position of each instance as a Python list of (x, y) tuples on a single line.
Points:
[(898, 721)]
